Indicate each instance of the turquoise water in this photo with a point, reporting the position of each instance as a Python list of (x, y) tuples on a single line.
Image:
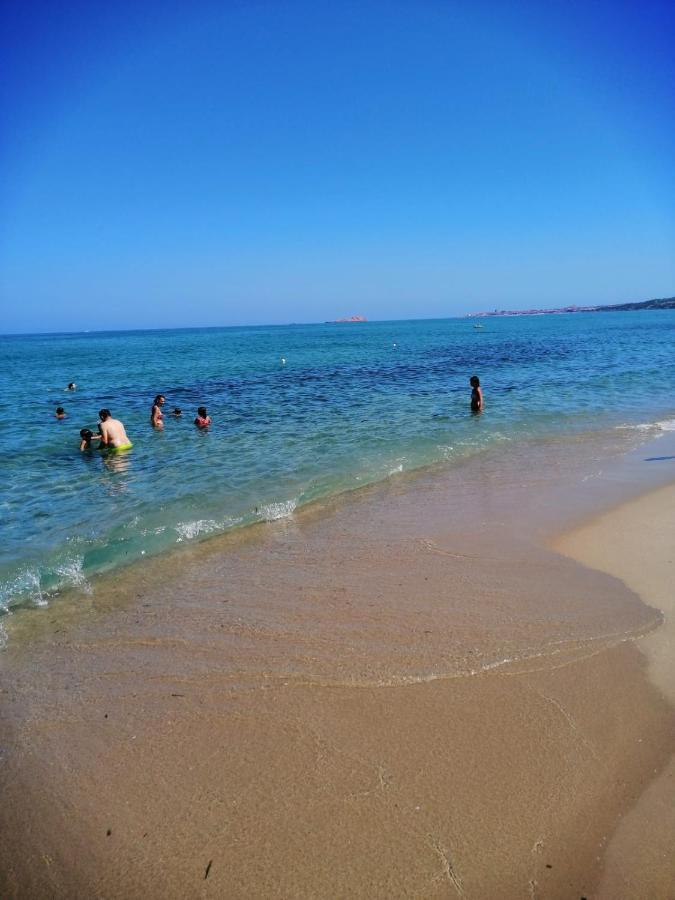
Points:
[(352, 404)]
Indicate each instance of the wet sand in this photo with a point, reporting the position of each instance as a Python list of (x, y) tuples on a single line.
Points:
[(405, 693)]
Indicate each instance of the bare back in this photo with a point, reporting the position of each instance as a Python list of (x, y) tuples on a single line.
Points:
[(113, 433)]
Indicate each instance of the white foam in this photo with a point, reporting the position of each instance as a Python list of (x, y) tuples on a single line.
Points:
[(72, 572), (189, 530), (25, 582), (272, 511), (663, 425), (160, 529)]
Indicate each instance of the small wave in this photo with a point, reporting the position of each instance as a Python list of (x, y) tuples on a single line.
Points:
[(663, 425), (34, 587), (272, 511), (71, 574), (189, 530), (25, 586), (396, 469), (644, 426), (145, 532)]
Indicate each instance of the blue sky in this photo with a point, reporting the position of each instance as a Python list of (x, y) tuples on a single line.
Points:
[(175, 164)]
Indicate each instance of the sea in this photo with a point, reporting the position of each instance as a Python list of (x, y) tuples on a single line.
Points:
[(299, 413)]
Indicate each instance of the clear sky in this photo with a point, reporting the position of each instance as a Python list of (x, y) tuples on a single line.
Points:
[(195, 163)]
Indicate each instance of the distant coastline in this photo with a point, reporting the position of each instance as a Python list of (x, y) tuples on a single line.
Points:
[(347, 319), (663, 303)]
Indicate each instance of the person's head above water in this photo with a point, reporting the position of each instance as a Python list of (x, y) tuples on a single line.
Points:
[(159, 399), (72, 386), (104, 414), (86, 434), (474, 381), (202, 412), (60, 412), (178, 411)]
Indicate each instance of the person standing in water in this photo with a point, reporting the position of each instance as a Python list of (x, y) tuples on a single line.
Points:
[(156, 414), (476, 394), (113, 435), (203, 419)]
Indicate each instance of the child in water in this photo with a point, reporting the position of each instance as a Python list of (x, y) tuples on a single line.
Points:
[(203, 419), (60, 412), (86, 437), (476, 394), (178, 412)]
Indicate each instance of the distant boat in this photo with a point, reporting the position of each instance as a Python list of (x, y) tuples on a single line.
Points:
[(478, 325)]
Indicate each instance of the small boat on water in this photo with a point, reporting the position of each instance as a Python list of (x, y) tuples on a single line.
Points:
[(478, 325)]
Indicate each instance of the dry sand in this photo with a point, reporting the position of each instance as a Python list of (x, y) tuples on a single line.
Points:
[(636, 542), (400, 695)]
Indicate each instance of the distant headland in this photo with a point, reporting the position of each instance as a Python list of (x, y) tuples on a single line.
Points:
[(348, 319), (664, 303)]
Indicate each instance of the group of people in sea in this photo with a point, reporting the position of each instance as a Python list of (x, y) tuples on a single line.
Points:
[(111, 435), (202, 419)]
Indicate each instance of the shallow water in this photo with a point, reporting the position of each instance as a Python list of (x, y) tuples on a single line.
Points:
[(352, 404)]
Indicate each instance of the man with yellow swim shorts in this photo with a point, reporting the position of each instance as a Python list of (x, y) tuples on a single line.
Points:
[(113, 435)]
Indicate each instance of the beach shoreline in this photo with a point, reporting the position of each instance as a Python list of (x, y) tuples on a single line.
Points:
[(404, 694)]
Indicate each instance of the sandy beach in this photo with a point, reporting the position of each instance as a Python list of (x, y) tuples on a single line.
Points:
[(405, 693), (337, 428), (636, 543)]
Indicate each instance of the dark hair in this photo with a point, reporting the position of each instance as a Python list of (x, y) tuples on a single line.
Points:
[(71, 385), (158, 398), (202, 412), (177, 411), (86, 434), (104, 414), (474, 381), (59, 409)]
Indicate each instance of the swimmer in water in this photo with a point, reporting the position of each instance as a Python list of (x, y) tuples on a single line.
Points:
[(156, 414), (113, 435), (60, 412), (476, 394), (177, 413), (72, 386), (86, 437), (203, 419)]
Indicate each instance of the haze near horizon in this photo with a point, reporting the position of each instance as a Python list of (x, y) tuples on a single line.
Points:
[(216, 164)]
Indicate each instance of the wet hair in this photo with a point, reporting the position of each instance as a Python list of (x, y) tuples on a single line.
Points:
[(202, 412), (159, 397), (71, 386), (474, 381), (59, 410), (104, 414), (86, 434), (178, 411)]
